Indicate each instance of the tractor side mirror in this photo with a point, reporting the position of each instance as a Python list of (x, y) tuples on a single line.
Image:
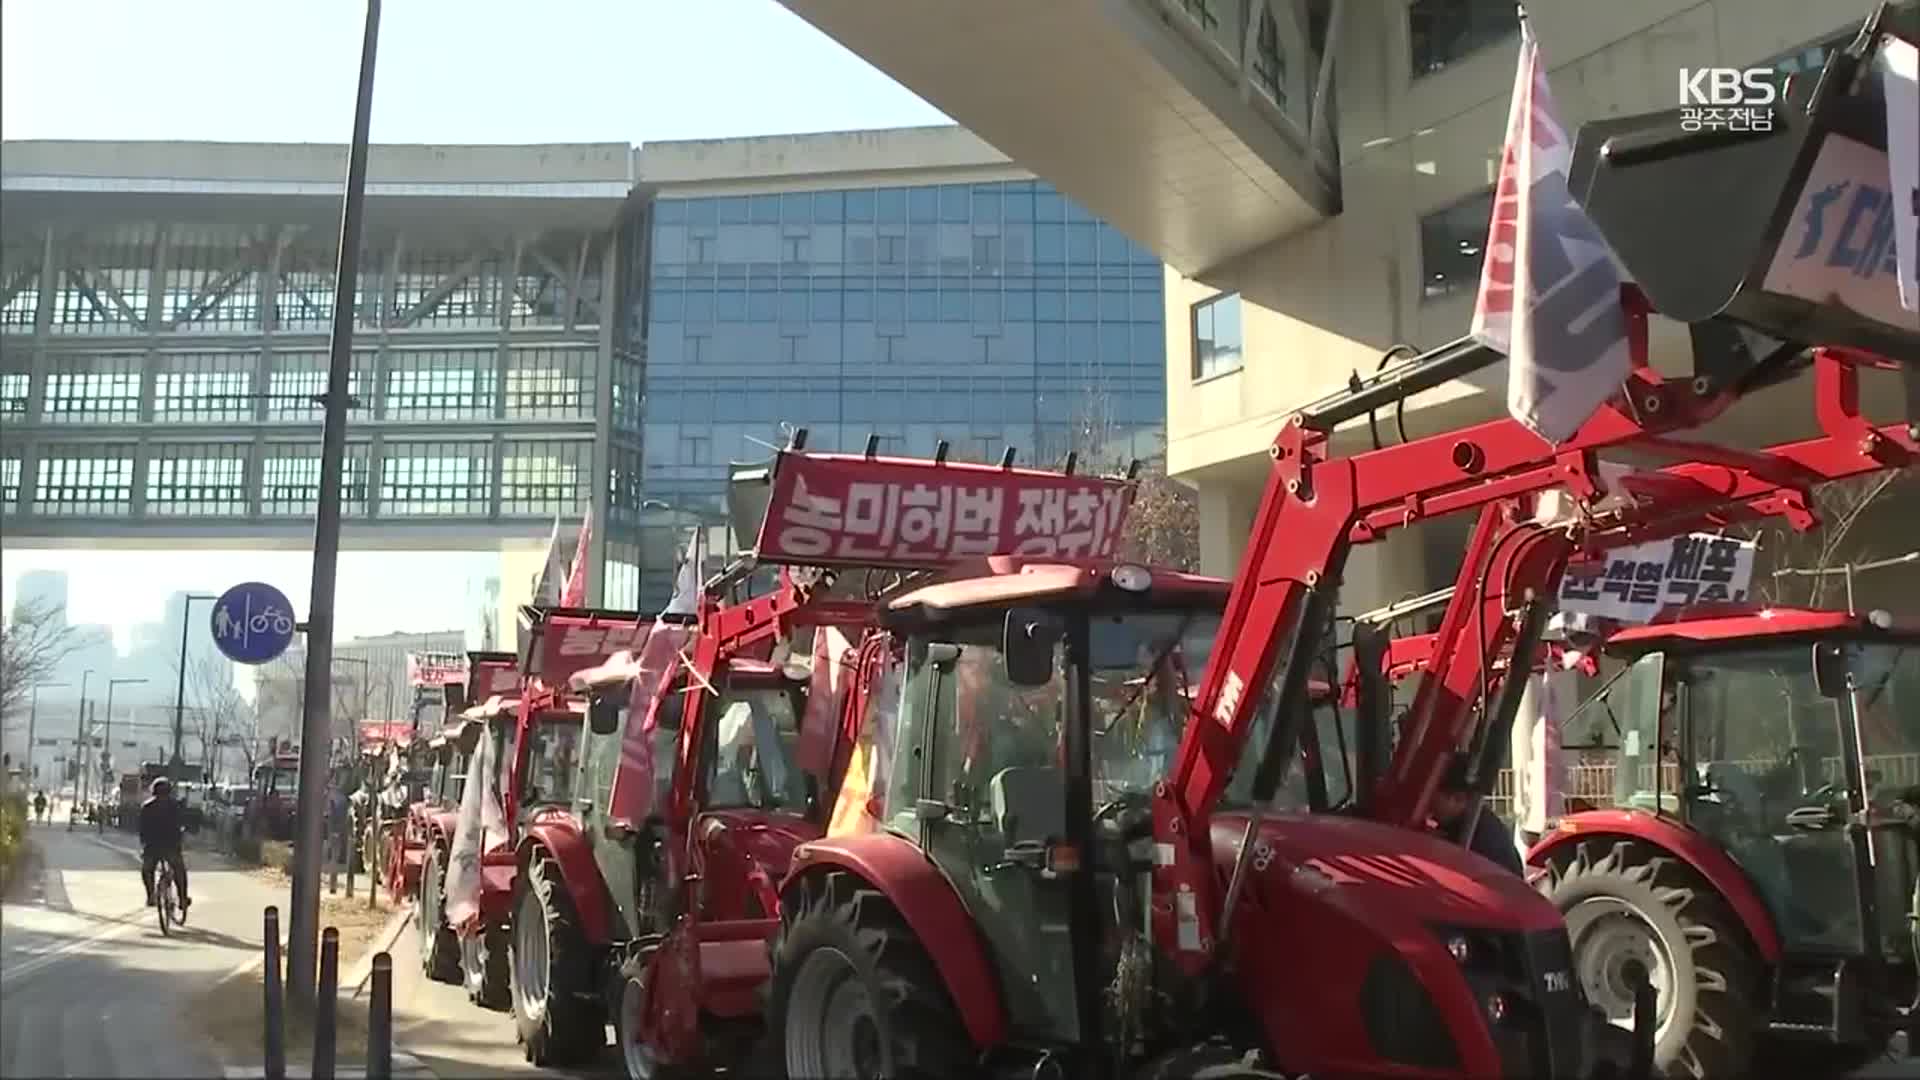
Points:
[(1830, 666), (603, 714), (1027, 644)]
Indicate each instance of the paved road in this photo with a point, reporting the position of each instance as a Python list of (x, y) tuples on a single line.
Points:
[(88, 987)]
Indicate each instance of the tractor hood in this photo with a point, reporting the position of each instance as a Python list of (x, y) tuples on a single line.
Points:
[(1386, 876)]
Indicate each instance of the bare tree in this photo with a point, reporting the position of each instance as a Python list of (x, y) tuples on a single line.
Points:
[(222, 716), (33, 642), (1840, 507), (1163, 527)]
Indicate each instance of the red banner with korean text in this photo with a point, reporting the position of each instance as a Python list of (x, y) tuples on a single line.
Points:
[(435, 668), (570, 643), (848, 510), (492, 676)]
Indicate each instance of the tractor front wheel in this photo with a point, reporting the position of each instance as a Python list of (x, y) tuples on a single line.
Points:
[(439, 945), (483, 967), (1634, 912), (555, 1005), (855, 994)]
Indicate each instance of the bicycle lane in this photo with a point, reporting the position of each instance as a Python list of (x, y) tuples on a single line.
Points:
[(89, 987)]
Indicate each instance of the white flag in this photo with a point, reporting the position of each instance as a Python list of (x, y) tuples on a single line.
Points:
[(1903, 161), (481, 826), (1549, 289), (686, 583), (553, 571)]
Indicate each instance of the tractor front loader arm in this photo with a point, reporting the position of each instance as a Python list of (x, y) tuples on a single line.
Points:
[(1315, 507)]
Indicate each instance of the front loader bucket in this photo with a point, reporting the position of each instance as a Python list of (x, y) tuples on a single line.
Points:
[(749, 487), (1787, 232)]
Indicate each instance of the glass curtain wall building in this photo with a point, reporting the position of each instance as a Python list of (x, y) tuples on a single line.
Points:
[(988, 313)]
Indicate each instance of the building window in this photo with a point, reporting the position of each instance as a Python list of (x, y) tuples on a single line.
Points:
[(100, 389), (1269, 60), (549, 383), (447, 290), (9, 484), (1451, 243), (428, 479), (290, 480), (213, 278), (85, 480), (107, 283), (540, 479), (696, 450), (16, 387), (1442, 32), (297, 380), (1216, 336), (1201, 12), (197, 480), (204, 388), (440, 384)]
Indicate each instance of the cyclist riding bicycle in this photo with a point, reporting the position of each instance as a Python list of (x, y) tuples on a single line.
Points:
[(161, 821)]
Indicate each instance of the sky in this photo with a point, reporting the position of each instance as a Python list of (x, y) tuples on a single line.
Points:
[(448, 71)]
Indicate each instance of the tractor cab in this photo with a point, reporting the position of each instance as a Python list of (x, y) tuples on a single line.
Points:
[(1789, 740)]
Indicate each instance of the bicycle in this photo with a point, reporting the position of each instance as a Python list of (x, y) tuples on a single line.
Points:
[(166, 899)]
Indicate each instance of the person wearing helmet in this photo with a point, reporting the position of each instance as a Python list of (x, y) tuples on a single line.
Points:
[(160, 838)]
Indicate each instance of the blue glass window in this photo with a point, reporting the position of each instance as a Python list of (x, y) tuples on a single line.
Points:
[(891, 205), (921, 306), (827, 208), (796, 208), (986, 204), (1049, 245), (670, 212), (766, 210), (859, 305), (953, 307), (793, 306), (699, 307), (1048, 207), (702, 211), (1113, 307), (1216, 336), (826, 305), (953, 204), (1080, 245), (1019, 306), (761, 304), (1082, 306), (1050, 304), (666, 306), (923, 205), (859, 206), (735, 211), (731, 306)]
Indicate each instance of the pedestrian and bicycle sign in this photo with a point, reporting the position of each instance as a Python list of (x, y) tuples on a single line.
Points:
[(252, 623)]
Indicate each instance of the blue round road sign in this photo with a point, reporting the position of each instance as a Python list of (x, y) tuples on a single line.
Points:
[(252, 623)]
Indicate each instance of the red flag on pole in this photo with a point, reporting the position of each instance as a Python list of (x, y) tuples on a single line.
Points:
[(1549, 289), (575, 594)]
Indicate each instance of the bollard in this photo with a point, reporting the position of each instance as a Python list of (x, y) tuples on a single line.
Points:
[(325, 1002), (380, 1020), (274, 1008)]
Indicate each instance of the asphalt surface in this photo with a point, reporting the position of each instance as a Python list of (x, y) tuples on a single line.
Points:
[(89, 987)]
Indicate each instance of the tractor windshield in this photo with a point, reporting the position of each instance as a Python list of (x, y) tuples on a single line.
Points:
[(750, 751), (552, 759), (1145, 670)]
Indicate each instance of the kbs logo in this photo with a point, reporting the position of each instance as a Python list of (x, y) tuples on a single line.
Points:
[(1727, 99), (1728, 86)]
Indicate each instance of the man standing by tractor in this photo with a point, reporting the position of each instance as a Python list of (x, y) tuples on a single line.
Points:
[(1452, 806)]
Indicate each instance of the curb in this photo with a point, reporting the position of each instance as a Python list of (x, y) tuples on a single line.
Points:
[(363, 969), (404, 1066)]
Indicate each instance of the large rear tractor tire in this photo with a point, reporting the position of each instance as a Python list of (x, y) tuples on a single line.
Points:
[(855, 994), (556, 1004), (484, 966), (1633, 910), (439, 945)]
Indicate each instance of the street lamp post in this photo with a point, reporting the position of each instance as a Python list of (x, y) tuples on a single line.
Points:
[(106, 750), (180, 692), (33, 713), (82, 786)]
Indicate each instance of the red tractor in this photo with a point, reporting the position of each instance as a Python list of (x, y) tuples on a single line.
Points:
[(1761, 861), (696, 777), (1040, 901)]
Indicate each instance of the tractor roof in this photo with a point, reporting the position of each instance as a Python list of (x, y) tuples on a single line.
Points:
[(1009, 579), (1725, 624)]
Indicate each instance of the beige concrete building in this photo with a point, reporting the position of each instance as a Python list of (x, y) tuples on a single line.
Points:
[(1317, 175)]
